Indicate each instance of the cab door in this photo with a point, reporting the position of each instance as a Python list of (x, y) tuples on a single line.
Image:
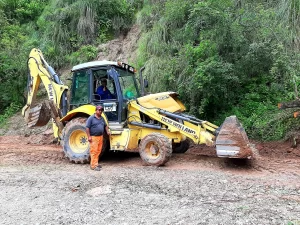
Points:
[(115, 106)]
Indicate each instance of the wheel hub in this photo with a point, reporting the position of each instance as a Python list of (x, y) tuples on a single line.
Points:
[(78, 141), (154, 149), (83, 140)]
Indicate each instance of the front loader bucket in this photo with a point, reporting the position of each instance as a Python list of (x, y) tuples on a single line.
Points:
[(232, 140), (38, 116)]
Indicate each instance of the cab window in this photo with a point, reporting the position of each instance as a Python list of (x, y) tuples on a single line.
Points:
[(100, 79), (128, 85), (80, 88)]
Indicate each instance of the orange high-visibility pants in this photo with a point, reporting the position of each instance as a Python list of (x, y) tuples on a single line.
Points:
[(95, 150)]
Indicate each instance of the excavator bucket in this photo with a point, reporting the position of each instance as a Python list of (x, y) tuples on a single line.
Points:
[(232, 140), (39, 115)]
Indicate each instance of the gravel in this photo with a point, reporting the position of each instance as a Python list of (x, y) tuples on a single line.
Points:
[(73, 194)]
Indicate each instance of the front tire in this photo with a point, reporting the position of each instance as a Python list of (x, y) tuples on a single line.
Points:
[(155, 149), (75, 141)]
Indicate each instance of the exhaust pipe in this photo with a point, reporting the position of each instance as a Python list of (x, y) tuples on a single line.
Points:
[(142, 81)]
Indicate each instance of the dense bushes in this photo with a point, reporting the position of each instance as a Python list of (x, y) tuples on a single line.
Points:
[(222, 57)]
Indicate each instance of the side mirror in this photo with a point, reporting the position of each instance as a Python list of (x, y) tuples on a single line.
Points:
[(146, 84)]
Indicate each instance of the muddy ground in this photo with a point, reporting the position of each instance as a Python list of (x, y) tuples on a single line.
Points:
[(39, 186)]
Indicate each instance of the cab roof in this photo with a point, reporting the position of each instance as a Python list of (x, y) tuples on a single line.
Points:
[(94, 64)]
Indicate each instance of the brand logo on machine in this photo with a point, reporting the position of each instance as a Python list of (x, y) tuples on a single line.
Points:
[(178, 125), (162, 97), (50, 88)]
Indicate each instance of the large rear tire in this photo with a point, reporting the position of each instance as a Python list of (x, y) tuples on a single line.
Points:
[(155, 149), (181, 147), (75, 141)]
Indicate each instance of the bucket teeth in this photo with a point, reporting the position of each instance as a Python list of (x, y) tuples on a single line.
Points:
[(232, 140), (39, 116)]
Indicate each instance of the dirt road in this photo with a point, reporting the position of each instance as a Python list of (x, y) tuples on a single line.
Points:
[(39, 186)]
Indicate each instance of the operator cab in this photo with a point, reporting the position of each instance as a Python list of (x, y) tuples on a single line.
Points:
[(106, 83)]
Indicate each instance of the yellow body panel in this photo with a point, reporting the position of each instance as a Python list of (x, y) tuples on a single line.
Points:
[(162, 100), (133, 140), (119, 142), (183, 108), (126, 140), (86, 109), (133, 114)]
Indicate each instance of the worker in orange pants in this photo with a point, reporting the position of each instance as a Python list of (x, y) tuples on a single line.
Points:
[(95, 150), (95, 126)]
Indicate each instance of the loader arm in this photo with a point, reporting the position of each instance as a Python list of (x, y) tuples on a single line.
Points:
[(230, 139), (56, 107)]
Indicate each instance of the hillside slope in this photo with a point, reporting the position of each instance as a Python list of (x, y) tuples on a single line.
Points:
[(122, 48)]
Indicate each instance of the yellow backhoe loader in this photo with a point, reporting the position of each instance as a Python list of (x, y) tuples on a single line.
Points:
[(153, 125)]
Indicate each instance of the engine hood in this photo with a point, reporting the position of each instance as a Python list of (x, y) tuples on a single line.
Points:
[(165, 100)]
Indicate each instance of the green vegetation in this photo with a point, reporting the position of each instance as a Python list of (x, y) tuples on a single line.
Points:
[(223, 57), (296, 222), (8, 112), (67, 32)]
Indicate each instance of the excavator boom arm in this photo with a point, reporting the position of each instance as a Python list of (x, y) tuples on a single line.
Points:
[(40, 71)]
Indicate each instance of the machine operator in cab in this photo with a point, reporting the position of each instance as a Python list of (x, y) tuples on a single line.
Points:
[(103, 91)]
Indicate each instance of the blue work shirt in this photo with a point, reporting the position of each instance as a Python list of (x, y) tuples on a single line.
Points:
[(104, 94)]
